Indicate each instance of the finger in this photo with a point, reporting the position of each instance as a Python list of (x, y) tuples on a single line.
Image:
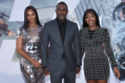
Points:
[(77, 71), (47, 73), (118, 74)]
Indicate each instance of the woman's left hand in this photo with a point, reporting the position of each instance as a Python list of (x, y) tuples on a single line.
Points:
[(116, 71)]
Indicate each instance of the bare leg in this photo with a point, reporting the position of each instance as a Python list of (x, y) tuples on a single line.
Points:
[(91, 81), (101, 81)]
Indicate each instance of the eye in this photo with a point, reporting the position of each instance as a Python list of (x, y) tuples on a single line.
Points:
[(28, 14), (86, 17)]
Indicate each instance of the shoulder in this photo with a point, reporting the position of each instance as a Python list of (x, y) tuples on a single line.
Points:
[(71, 23), (50, 22), (40, 28), (21, 29), (103, 30), (83, 30)]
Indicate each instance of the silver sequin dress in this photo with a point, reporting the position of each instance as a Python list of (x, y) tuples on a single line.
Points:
[(31, 43)]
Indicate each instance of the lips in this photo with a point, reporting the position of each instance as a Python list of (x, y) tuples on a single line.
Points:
[(91, 22)]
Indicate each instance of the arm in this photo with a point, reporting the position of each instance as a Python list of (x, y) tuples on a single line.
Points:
[(81, 42), (19, 49), (108, 48), (77, 46), (110, 53), (44, 40)]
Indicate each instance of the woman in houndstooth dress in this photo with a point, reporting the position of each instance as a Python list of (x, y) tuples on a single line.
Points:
[(95, 43)]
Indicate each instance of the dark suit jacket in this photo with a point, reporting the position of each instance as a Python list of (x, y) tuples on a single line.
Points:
[(55, 61)]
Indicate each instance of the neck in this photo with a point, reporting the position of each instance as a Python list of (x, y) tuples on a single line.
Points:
[(93, 28), (61, 20), (32, 25)]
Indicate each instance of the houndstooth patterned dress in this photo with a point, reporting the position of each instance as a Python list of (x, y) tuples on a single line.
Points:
[(97, 50), (31, 44)]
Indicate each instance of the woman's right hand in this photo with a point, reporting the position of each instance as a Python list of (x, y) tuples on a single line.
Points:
[(35, 63)]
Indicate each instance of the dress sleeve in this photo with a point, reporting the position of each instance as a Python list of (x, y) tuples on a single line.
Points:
[(108, 49), (81, 42), (20, 32)]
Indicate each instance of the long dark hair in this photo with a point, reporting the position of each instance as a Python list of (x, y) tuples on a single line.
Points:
[(25, 25), (96, 16)]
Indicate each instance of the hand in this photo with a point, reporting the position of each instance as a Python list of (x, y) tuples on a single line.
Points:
[(46, 72), (116, 71), (77, 70), (35, 63)]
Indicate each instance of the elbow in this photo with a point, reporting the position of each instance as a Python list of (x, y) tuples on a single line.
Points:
[(19, 50)]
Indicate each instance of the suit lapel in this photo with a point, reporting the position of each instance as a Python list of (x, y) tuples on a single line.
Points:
[(57, 32), (66, 32)]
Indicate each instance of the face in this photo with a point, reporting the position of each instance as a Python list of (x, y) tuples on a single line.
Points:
[(31, 16), (90, 19), (61, 12)]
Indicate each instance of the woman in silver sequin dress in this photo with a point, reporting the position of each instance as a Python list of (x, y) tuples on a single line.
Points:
[(95, 43), (28, 46)]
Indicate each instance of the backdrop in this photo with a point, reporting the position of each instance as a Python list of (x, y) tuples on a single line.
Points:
[(111, 14)]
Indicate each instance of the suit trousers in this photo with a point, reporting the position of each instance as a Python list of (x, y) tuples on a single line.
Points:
[(69, 77)]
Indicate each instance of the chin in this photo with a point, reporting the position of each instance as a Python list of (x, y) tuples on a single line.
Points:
[(91, 24), (61, 18)]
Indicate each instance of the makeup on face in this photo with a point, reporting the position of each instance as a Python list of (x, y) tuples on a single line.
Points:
[(90, 19), (31, 16)]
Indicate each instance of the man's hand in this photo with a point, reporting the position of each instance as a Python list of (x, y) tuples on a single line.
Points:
[(46, 72), (78, 70), (117, 73)]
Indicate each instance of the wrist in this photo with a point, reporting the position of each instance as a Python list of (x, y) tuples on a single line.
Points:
[(78, 66), (44, 67)]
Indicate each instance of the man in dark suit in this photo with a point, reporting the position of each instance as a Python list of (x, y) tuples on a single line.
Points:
[(63, 59)]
